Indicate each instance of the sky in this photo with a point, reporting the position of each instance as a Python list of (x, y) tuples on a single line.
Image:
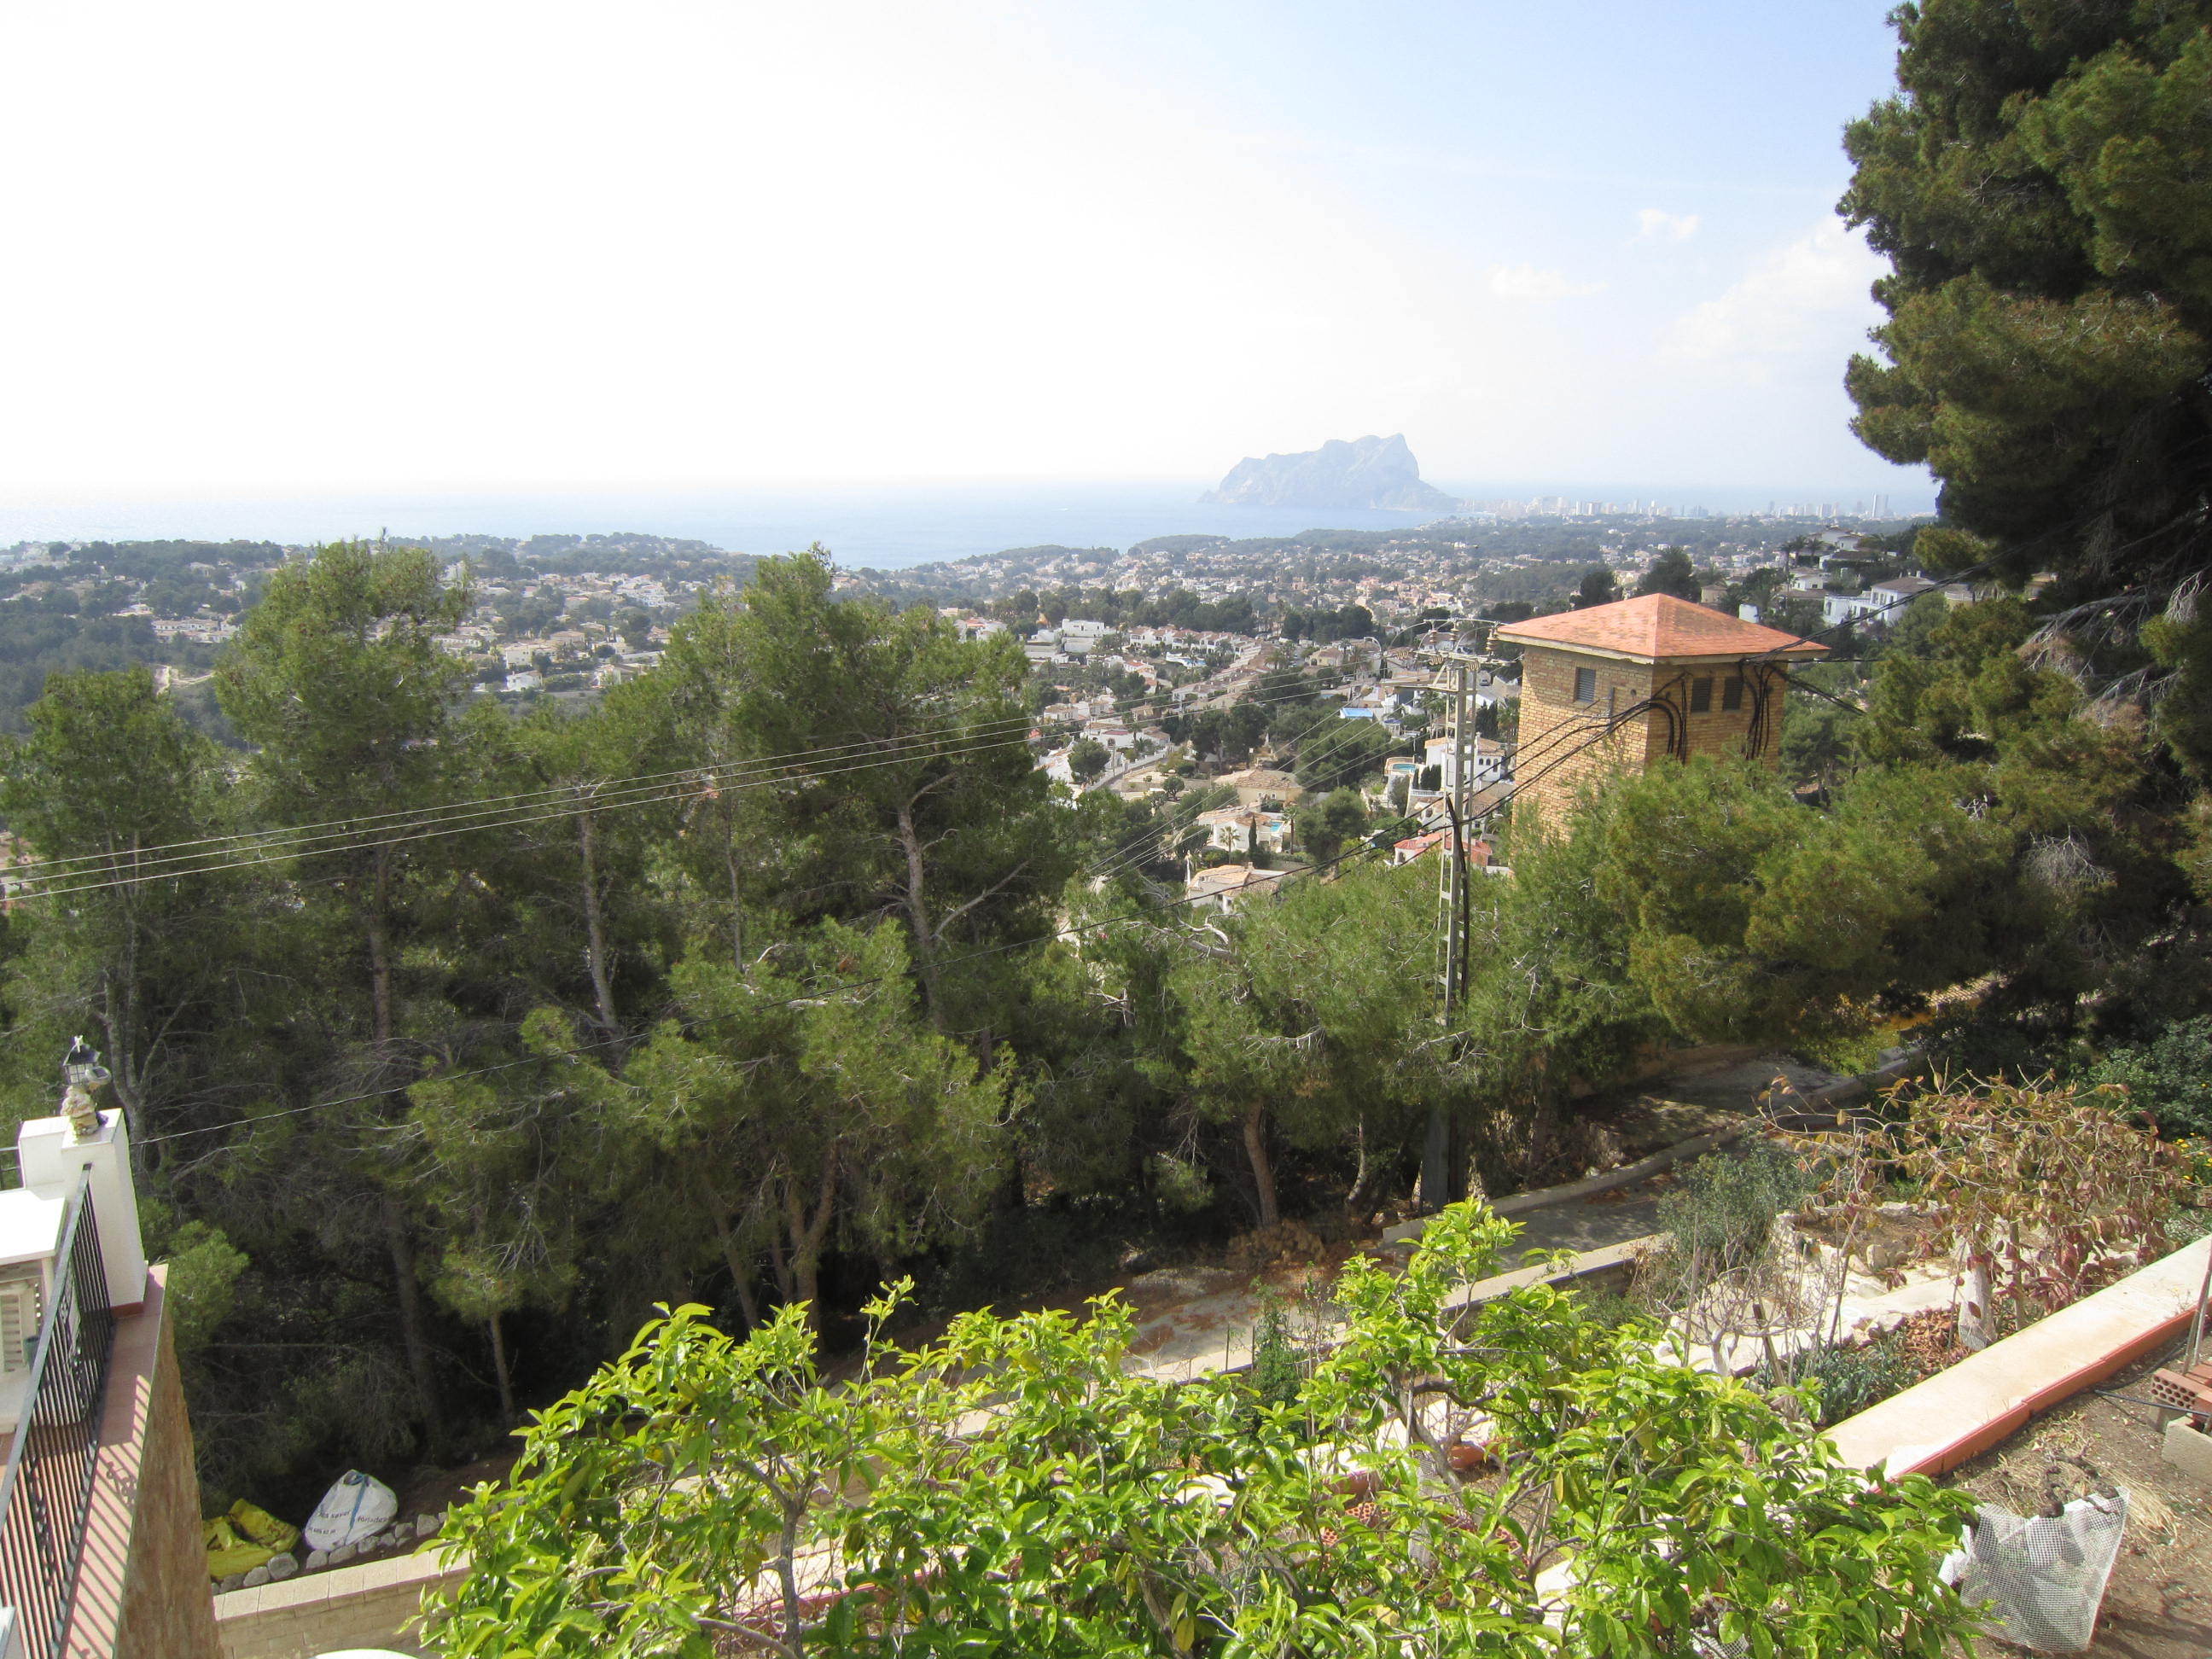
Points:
[(470, 244)]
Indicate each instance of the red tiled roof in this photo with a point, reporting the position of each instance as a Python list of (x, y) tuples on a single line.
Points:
[(1659, 625)]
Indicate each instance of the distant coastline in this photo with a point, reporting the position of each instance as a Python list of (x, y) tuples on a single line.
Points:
[(882, 526)]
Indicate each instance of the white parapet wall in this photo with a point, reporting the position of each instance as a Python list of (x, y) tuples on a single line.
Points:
[(50, 1157), (1981, 1401)]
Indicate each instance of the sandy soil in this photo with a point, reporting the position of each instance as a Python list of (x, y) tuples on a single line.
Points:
[(2159, 1604)]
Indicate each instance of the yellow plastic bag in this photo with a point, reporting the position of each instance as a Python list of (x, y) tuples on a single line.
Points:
[(256, 1524), (226, 1552)]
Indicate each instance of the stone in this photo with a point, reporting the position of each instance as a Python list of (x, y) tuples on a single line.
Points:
[(255, 1577), (343, 1553), (282, 1566), (1881, 1254), (1367, 472), (426, 1526), (224, 1586), (318, 1559), (2188, 1450)]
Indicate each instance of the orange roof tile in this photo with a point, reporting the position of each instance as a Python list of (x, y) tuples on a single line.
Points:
[(1659, 625)]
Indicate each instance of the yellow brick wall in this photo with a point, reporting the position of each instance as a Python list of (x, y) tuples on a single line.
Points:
[(1555, 759)]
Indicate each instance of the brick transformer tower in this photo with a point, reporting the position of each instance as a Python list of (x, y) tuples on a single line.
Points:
[(1646, 677)]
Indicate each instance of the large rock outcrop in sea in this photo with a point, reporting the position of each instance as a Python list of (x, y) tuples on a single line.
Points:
[(1370, 471)]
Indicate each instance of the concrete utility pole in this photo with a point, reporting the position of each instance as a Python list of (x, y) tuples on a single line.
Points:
[(1440, 1157)]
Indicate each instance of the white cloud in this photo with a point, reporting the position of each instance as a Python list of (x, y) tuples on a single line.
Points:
[(1653, 225), (1803, 306), (1528, 283)]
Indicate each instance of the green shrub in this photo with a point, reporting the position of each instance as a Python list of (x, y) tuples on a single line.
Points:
[(1850, 1377), (1279, 1371), (1723, 1211), (1612, 1310), (2170, 1077)]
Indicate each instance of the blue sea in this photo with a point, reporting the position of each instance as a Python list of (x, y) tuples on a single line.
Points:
[(882, 526)]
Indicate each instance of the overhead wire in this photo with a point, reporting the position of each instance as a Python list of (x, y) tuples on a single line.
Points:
[(701, 791), (346, 831), (813, 995), (1362, 850), (267, 847)]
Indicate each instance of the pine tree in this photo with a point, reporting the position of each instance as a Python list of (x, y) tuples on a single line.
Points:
[(2042, 183)]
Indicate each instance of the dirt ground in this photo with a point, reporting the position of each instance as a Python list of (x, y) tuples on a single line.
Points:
[(2159, 1604)]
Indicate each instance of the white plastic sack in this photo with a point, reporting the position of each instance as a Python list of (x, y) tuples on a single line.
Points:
[(2044, 1577), (356, 1506)]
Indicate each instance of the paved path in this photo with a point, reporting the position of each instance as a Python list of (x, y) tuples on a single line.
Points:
[(1194, 1316)]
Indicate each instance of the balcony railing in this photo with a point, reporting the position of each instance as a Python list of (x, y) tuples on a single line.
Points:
[(45, 1489)]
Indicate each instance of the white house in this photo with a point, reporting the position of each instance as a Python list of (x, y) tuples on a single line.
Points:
[(1225, 884), (1245, 830), (1491, 765), (1883, 602)]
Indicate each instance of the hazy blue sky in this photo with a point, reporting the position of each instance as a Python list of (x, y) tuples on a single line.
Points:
[(289, 248)]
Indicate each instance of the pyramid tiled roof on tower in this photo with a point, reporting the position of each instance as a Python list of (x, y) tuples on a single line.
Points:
[(1659, 626)]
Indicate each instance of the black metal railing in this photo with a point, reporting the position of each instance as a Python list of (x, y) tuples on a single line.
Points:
[(45, 1489)]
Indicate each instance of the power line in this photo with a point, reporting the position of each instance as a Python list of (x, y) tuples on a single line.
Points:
[(343, 829), (270, 846), (814, 995), (700, 791)]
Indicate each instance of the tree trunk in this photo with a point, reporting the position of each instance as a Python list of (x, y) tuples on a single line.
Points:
[(917, 910), (786, 1286), (1976, 1326), (380, 957), (414, 1338), (595, 926), (499, 1369), (741, 1275), (807, 1234), (737, 901), (412, 1335), (1263, 1172)]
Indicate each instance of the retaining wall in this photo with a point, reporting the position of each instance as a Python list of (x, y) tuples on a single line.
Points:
[(1983, 1400), (369, 1605)]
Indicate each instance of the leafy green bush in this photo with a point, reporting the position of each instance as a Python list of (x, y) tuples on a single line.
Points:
[(1853, 1378), (1611, 1310), (1724, 1210), (2170, 1077), (1279, 1371)]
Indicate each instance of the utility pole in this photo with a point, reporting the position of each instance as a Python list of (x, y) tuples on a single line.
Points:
[(1439, 1157)]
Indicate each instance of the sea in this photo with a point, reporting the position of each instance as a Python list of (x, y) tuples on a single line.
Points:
[(882, 526)]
